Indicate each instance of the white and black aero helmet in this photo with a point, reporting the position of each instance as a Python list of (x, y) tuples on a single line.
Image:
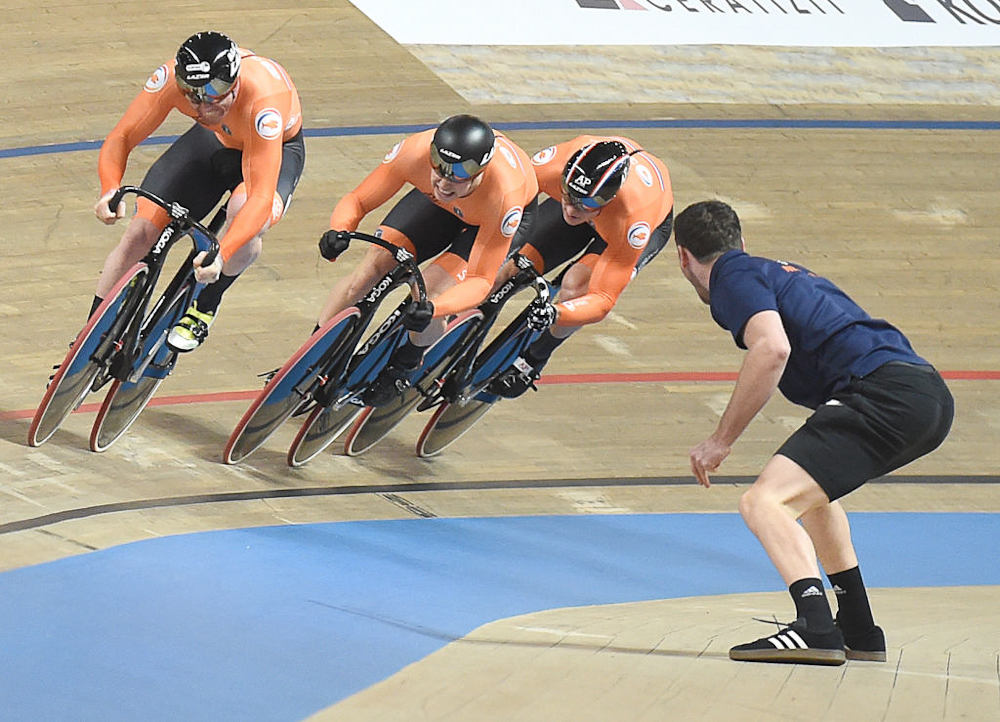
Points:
[(208, 64), (594, 174), (461, 147)]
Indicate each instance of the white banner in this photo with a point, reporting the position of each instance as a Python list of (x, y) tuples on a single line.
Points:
[(835, 23)]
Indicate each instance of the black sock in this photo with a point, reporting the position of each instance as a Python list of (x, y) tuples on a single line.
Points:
[(93, 306), (811, 604), (409, 355), (854, 613), (211, 295), (538, 353)]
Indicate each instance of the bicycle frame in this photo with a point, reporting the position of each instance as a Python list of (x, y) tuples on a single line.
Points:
[(338, 366), (122, 344), (455, 383)]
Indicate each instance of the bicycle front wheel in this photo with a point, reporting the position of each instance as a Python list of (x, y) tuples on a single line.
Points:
[(289, 389), (75, 376), (376, 423), (126, 399)]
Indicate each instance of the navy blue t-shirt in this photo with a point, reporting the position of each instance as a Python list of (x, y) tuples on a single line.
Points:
[(832, 338)]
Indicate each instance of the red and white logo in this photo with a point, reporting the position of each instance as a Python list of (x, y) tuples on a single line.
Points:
[(511, 221), (638, 234), (544, 155), (644, 174), (393, 152), (157, 80), (268, 124)]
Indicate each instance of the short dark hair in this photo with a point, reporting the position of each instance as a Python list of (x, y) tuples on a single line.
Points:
[(708, 229)]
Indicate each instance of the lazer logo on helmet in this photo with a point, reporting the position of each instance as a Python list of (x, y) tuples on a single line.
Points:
[(198, 71), (449, 154)]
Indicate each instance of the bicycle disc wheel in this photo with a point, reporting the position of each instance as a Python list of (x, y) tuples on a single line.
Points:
[(72, 381), (449, 423), (283, 394), (376, 423), (126, 399), (320, 429)]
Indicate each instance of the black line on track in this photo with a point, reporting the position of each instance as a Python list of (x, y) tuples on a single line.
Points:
[(410, 487)]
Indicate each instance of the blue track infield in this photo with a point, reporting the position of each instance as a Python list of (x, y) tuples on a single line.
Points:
[(276, 623)]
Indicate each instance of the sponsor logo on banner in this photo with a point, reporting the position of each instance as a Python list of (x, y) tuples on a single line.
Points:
[(268, 124), (157, 80), (511, 221), (963, 12), (638, 234), (803, 23)]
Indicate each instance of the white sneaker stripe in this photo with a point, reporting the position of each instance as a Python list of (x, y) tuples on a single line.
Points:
[(794, 636), (776, 642)]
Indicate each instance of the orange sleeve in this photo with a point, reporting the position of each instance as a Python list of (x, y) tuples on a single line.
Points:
[(145, 114), (262, 153), (261, 165), (488, 254), (380, 185), (612, 273)]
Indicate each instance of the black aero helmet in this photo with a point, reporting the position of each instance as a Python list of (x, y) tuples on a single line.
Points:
[(461, 147), (207, 66), (594, 174)]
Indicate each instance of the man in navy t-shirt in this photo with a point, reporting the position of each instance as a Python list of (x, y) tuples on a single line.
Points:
[(877, 406)]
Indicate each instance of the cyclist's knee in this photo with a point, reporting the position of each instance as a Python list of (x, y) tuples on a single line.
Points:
[(243, 257)]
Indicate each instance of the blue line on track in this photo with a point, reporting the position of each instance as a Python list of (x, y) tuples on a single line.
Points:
[(687, 123)]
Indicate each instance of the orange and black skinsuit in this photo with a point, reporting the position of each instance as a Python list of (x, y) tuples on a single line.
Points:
[(475, 232), (630, 230), (257, 143)]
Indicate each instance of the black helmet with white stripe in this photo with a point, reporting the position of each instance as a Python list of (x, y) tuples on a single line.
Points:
[(594, 174), (208, 64)]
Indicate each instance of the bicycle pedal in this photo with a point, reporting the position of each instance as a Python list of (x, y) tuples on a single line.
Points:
[(268, 375)]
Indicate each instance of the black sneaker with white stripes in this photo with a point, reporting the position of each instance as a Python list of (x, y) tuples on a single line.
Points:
[(794, 644), (868, 646)]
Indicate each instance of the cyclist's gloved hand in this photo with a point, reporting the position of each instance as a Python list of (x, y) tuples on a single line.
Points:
[(333, 243), (541, 315), (418, 315)]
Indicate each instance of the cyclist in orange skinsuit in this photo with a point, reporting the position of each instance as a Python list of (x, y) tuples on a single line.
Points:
[(609, 199), (473, 191), (247, 139)]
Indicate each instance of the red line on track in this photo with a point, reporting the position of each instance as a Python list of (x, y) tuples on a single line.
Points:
[(619, 378)]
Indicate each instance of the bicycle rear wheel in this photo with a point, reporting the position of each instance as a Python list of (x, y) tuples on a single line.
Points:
[(288, 389), (78, 370), (324, 425), (126, 399), (450, 422), (376, 423)]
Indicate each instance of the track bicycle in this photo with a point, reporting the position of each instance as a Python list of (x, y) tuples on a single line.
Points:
[(124, 341), (456, 371), (324, 379)]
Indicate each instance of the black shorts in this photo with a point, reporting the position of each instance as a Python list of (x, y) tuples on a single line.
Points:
[(557, 242), (880, 422), (433, 230), (197, 170)]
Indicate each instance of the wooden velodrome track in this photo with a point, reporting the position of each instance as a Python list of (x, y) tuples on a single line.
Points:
[(904, 218)]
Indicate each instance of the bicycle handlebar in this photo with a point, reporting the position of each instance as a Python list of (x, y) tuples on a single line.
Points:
[(176, 212), (401, 255)]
